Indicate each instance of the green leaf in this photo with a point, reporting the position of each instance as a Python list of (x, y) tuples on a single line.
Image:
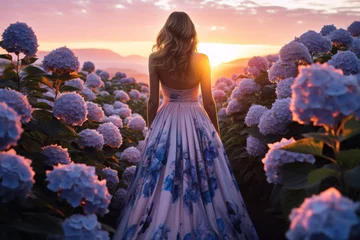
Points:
[(68, 89), (351, 128), (348, 158), (40, 79), (43, 105), (352, 177), (290, 199), (27, 61), (6, 56), (34, 71), (320, 174), (327, 138), (295, 175), (42, 223), (306, 145)]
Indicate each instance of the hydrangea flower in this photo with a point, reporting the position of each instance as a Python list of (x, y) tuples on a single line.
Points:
[(17, 102), (219, 95), (254, 114), (95, 112), (80, 226), (257, 65), (108, 109), (91, 138), (112, 178), (329, 215), (355, 47), (295, 52), (227, 81), (222, 87), (88, 94), (88, 67), (137, 123), (56, 154), (61, 60), (10, 126), (79, 185), (340, 37), (277, 157), (315, 42), (127, 80), (279, 71), (103, 93), (93, 81), (104, 76), (255, 147), (111, 133), (123, 112), (77, 82), (322, 95), (121, 95), (116, 120), (118, 104), (246, 87), (141, 145), (272, 58), (118, 198), (19, 38), (222, 113), (134, 94), (128, 174), (346, 61), (354, 29), (71, 108), (144, 89), (120, 75), (234, 106), (98, 71), (16, 176), (130, 154), (327, 29), (283, 88)]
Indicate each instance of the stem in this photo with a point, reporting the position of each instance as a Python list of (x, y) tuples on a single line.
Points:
[(17, 71), (57, 84)]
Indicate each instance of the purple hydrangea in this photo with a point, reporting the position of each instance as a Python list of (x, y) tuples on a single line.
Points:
[(103, 93), (127, 80), (255, 147), (340, 38), (118, 198), (91, 138), (93, 81), (346, 61), (144, 89), (230, 83), (254, 114), (295, 52), (222, 114), (123, 112), (104, 76), (355, 47), (88, 94), (77, 82), (19, 38), (80, 186), (116, 120), (327, 29), (257, 65), (137, 123), (88, 67), (222, 87), (315, 42), (128, 174), (322, 95), (134, 94), (121, 95), (272, 58), (56, 154), (279, 71), (108, 109), (80, 226), (17, 102), (234, 106), (354, 29), (246, 87), (120, 75), (141, 145), (112, 178), (16, 176), (118, 104), (219, 95), (329, 215), (281, 110), (111, 134), (130, 154), (98, 71), (61, 60), (10, 126), (277, 157), (283, 88), (70, 108), (95, 112)]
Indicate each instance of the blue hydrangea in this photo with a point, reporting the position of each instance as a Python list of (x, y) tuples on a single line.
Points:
[(88, 67), (281, 110), (93, 81), (256, 66), (255, 147), (327, 29), (234, 106), (295, 52), (70, 108), (104, 76), (17, 102), (246, 87), (120, 75), (127, 80), (279, 71), (123, 112), (315, 42), (121, 95), (98, 71), (61, 60), (222, 114), (134, 94), (118, 198), (130, 154), (91, 138), (118, 104), (80, 186), (111, 134), (56, 154), (346, 61), (277, 157), (80, 226), (276, 120), (340, 38), (354, 28), (128, 174), (137, 123), (329, 215), (322, 95), (355, 47), (108, 109), (19, 38), (116, 120), (88, 94), (10, 126), (95, 112), (77, 82), (16, 176), (112, 178), (283, 88), (254, 114)]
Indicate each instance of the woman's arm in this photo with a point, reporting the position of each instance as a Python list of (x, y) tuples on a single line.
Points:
[(208, 100), (153, 102)]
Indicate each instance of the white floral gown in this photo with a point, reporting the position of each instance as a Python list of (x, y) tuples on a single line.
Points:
[(184, 187)]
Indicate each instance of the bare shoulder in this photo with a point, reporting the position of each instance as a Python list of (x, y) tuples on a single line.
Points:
[(200, 56)]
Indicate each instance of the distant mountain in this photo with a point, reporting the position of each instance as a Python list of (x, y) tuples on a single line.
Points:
[(228, 69)]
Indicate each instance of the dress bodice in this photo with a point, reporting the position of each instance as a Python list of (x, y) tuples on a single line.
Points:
[(176, 95)]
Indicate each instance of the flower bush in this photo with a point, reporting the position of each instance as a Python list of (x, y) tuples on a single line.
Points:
[(61, 60), (88, 66), (111, 134), (56, 154), (10, 127), (71, 108), (17, 102)]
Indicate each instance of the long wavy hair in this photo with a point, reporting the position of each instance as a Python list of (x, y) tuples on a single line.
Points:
[(175, 43)]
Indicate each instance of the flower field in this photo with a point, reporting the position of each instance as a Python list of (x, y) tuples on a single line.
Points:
[(71, 136)]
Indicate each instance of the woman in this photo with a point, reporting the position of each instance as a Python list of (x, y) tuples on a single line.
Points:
[(183, 186)]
